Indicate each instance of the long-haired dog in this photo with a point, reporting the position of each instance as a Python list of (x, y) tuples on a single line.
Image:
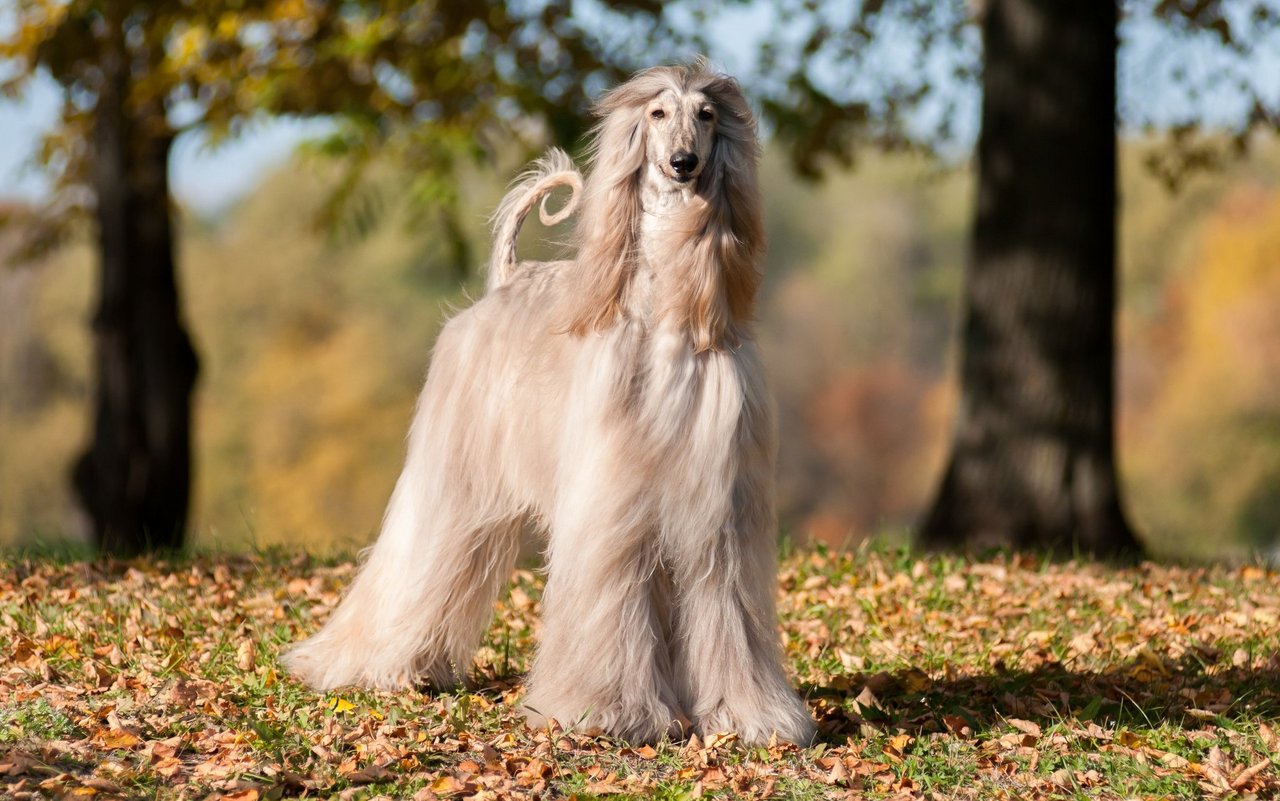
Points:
[(616, 400)]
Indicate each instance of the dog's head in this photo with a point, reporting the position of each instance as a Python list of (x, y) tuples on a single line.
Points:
[(681, 124), (685, 130), (675, 126)]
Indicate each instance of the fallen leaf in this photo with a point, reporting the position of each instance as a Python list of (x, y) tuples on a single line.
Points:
[(245, 655), (117, 738), (1249, 774), (899, 743), (1025, 726), (340, 704), (957, 726), (448, 785)]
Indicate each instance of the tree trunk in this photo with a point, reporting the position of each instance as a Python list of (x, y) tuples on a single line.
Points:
[(1033, 460), (134, 479)]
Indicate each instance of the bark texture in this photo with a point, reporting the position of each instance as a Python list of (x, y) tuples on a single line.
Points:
[(1033, 461), (134, 479)]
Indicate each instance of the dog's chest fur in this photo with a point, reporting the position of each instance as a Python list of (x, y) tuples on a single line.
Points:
[(669, 390), (664, 214)]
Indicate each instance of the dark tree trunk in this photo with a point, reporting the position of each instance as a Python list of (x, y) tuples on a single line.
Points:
[(1033, 461), (134, 480)]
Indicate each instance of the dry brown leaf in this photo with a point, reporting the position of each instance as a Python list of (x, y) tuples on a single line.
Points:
[(168, 767), (1082, 644), (837, 773), (372, 773), (957, 726), (1249, 774), (246, 654), (1025, 726)]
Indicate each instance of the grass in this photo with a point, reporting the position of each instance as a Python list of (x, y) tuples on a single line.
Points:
[(933, 677)]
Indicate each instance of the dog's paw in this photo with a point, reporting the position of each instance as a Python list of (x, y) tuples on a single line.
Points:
[(633, 721), (789, 721)]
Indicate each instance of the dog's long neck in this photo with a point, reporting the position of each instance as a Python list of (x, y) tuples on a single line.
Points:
[(667, 212)]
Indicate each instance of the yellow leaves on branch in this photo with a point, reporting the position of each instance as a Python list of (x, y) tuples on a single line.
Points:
[(288, 10), (33, 28), (187, 48)]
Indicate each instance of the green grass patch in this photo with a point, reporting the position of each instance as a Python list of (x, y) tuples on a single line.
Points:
[(934, 677)]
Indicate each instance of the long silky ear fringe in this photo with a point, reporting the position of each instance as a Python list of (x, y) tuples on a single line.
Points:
[(548, 173), (735, 231), (607, 231)]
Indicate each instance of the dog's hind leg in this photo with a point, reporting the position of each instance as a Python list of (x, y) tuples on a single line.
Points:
[(422, 599), (419, 604)]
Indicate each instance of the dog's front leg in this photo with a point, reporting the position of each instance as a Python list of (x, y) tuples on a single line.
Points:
[(603, 661), (728, 664)]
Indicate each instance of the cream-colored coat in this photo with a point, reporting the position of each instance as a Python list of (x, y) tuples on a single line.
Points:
[(617, 401)]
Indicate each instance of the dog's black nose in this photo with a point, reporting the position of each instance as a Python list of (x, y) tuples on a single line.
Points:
[(684, 162)]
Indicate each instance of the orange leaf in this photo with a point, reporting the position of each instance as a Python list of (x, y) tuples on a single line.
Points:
[(957, 725), (898, 743), (117, 738), (447, 785)]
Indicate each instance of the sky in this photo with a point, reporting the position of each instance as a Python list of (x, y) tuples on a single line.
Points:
[(208, 179), (205, 178)]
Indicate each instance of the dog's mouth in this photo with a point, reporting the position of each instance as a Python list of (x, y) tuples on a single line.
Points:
[(681, 177)]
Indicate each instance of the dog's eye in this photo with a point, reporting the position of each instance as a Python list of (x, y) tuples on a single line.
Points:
[(657, 114), (705, 115)]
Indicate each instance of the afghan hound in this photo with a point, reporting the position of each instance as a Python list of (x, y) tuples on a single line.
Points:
[(616, 401)]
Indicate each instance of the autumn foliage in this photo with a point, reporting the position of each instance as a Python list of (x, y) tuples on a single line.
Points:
[(939, 678), (315, 346), (1205, 433)]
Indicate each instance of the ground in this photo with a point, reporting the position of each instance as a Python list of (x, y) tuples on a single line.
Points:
[(932, 677)]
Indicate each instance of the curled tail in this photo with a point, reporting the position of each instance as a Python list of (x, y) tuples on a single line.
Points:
[(547, 173)]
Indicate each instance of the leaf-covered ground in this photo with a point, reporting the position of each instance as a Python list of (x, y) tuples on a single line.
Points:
[(933, 678)]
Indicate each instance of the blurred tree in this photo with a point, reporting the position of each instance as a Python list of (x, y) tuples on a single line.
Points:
[(1033, 458), (1032, 463), (446, 76), (1206, 428), (437, 82), (114, 142)]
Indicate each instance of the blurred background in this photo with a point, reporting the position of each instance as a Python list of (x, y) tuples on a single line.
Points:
[(313, 299)]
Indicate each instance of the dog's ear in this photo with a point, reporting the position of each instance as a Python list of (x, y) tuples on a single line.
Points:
[(731, 188), (608, 226)]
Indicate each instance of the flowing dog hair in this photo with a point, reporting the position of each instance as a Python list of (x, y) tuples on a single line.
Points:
[(616, 401)]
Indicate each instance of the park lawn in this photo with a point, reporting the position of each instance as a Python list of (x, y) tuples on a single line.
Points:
[(931, 677)]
